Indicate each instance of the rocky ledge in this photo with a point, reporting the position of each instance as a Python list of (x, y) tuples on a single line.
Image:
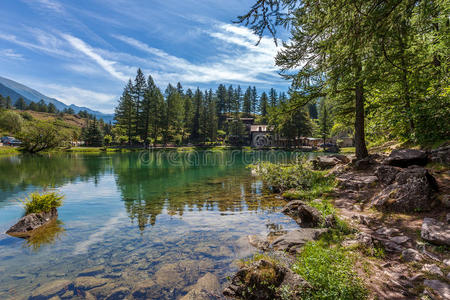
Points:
[(26, 226)]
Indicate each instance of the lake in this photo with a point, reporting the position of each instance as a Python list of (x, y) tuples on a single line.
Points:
[(160, 218)]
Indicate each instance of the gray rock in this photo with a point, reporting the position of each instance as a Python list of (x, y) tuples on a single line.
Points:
[(118, 293), (409, 255), (432, 269), (440, 288), (325, 162), (356, 182), (411, 191), (206, 288), (27, 224), (293, 240), (435, 232), (447, 262), (440, 155), (386, 174), (51, 289), (263, 279), (399, 239), (258, 241), (407, 157), (305, 215)]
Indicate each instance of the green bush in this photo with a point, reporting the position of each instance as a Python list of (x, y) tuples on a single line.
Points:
[(280, 178), (329, 271), (36, 203)]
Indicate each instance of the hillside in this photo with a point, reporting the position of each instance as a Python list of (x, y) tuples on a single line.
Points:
[(16, 90)]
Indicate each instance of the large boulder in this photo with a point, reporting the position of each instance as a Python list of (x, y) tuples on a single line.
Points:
[(264, 279), (356, 182), (294, 240), (407, 157), (27, 224), (411, 191), (386, 174), (306, 216), (439, 288), (435, 232)]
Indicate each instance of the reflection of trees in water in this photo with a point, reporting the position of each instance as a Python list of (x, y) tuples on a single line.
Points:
[(150, 184), (149, 187), (47, 234), (52, 170)]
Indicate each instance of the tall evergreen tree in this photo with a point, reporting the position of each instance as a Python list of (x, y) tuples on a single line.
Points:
[(247, 102), (138, 92), (125, 114), (273, 98), (263, 106), (198, 102), (20, 104), (254, 100)]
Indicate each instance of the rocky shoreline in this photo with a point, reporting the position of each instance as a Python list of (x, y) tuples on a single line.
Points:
[(394, 203)]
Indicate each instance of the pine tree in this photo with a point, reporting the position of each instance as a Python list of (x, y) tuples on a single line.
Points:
[(52, 108), (273, 99), (247, 102), (20, 104), (42, 106), (175, 111), (188, 113), (325, 121), (230, 98), (263, 106), (125, 114), (254, 100), (198, 101), (138, 92), (8, 104)]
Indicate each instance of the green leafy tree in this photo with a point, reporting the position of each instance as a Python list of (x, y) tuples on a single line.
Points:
[(41, 136), (11, 121)]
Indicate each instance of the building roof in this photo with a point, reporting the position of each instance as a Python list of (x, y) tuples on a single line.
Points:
[(261, 128)]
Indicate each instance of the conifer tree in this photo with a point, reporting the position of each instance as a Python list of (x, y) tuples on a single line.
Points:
[(263, 106), (20, 104), (247, 102), (125, 114)]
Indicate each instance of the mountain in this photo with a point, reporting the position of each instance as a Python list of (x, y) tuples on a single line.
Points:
[(16, 90)]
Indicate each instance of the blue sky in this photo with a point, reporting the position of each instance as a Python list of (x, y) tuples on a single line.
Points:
[(83, 52)]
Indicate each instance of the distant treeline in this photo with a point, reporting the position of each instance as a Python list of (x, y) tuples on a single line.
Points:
[(146, 115), (41, 106)]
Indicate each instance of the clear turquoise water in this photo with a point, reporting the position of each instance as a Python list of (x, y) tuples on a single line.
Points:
[(140, 216)]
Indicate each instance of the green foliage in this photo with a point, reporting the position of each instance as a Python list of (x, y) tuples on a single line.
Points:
[(11, 121), (107, 139), (40, 135), (280, 178), (36, 202), (329, 271)]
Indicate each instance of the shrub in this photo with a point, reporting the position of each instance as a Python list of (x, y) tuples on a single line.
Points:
[(279, 177), (329, 271), (41, 136), (36, 203), (11, 121)]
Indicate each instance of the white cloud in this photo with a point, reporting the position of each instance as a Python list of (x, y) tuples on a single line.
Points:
[(52, 5), (81, 97), (107, 65), (11, 54), (244, 62)]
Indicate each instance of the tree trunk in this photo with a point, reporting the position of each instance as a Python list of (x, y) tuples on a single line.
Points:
[(360, 141)]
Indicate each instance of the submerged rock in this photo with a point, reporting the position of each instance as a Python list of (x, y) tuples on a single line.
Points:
[(264, 279), (293, 240), (412, 190), (89, 282), (206, 288), (27, 224), (407, 157), (51, 289), (435, 232)]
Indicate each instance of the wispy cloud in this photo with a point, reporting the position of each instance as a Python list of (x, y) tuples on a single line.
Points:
[(10, 54), (246, 63), (107, 65), (51, 4)]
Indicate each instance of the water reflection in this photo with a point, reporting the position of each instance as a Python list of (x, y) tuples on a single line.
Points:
[(46, 235), (139, 220), (149, 182)]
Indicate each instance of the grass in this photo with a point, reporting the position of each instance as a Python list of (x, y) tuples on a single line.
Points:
[(348, 150), (37, 203), (329, 270), (8, 150)]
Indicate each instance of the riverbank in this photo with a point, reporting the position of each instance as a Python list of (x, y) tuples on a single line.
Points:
[(390, 238)]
